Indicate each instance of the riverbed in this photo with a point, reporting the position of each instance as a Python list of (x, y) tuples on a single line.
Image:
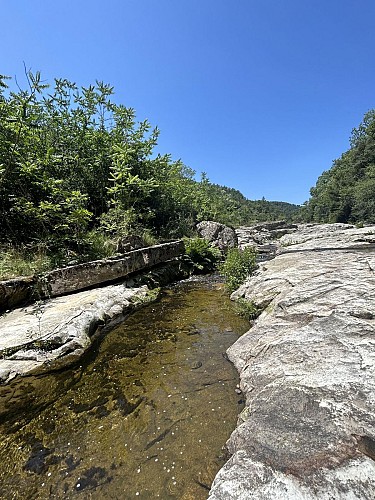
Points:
[(144, 415)]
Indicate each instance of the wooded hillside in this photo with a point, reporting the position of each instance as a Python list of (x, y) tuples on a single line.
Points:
[(346, 192)]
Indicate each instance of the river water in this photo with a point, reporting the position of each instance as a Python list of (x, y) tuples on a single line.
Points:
[(145, 415)]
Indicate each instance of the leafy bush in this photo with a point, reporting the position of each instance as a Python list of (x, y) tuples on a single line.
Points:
[(238, 265), (119, 223), (247, 310), (202, 254), (25, 260)]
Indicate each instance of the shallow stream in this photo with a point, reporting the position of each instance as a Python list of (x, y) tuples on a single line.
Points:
[(145, 415)]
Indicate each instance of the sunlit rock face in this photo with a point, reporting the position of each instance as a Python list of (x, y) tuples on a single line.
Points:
[(264, 237), (219, 235), (307, 368)]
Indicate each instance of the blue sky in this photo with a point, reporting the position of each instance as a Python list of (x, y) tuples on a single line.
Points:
[(260, 94)]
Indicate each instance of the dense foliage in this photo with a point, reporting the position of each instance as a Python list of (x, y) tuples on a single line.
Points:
[(346, 192), (202, 254), (72, 162)]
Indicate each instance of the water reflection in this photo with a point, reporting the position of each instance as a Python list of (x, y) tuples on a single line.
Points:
[(145, 416)]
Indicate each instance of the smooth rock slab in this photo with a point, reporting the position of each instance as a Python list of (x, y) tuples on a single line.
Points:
[(60, 329), (307, 368), (264, 237)]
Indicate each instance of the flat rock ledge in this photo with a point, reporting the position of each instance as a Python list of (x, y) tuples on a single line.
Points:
[(23, 290), (307, 369), (61, 329)]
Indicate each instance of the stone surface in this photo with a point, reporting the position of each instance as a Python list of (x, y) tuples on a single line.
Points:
[(16, 291), (264, 236), (307, 369), (35, 336), (219, 235), (73, 278), (129, 243)]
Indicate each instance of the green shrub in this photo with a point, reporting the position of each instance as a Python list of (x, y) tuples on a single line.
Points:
[(203, 255), (98, 246), (32, 259), (148, 237), (238, 265), (247, 310), (118, 223)]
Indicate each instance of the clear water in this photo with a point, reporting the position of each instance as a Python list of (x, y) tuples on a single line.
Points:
[(146, 414)]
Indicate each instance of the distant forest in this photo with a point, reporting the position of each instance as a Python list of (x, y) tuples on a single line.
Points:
[(74, 163)]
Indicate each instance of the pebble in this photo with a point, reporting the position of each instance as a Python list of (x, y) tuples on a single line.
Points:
[(196, 365)]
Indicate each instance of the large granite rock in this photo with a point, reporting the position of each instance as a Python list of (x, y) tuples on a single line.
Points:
[(265, 236), (16, 291), (307, 369), (219, 235), (81, 276), (59, 329)]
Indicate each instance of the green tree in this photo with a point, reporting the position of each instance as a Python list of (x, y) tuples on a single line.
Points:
[(73, 161), (345, 192)]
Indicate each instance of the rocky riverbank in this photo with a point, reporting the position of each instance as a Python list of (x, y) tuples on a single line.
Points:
[(307, 365), (307, 369), (52, 333)]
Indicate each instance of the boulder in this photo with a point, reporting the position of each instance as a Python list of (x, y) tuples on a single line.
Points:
[(18, 291), (219, 235), (72, 278), (307, 369), (60, 329)]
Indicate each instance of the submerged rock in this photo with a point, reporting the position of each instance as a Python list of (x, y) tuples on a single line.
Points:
[(307, 368)]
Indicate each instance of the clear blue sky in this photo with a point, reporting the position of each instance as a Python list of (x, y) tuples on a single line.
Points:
[(260, 94)]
